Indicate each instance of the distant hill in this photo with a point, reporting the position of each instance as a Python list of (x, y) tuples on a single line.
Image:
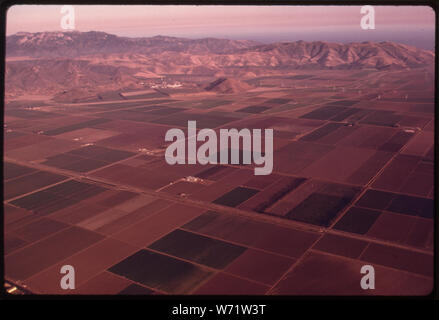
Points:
[(47, 76), (352, 55), (225, 85), (75, 44)]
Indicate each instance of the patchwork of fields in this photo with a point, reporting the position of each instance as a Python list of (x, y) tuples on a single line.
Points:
[(87, 184)]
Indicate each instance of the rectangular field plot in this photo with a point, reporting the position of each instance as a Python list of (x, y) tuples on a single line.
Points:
[(101, 153), (322, 132), (236, 196), (30, 182), (215, 173), (254, 109), (314, 202), (31, 114), (87, 135), (57, 197), (210, 252), (210, 104), (73, 127), (80, 165), (319, 209), (344, 162), (203, 120), (40, 255), (87, 158), (247, 232), (324, 113), (144, 178), (382, 118), (409, 174), (297, 155), (323, 205), (160, 272), (399, 203), (357, 220), (131, 115), (12, 170), (343, 103), (269, 196)]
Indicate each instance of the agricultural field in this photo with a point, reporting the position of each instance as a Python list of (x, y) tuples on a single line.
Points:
[(87, 184)]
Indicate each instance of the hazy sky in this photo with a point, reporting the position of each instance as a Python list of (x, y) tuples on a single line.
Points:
[(407, 24)]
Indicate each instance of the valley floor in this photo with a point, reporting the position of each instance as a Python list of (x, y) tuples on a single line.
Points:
[(87, 185)]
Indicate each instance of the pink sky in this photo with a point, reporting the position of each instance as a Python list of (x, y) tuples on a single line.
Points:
[(245, 22)]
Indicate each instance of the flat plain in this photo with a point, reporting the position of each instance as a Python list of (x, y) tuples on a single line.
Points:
[(87, 184)]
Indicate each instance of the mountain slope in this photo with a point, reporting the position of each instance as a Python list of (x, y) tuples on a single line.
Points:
[(227, 85), (219, 53), (75, 44), (353, 55), (89, 62)]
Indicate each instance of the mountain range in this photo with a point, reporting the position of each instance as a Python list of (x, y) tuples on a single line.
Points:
[(53, 61), (221, 52)]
